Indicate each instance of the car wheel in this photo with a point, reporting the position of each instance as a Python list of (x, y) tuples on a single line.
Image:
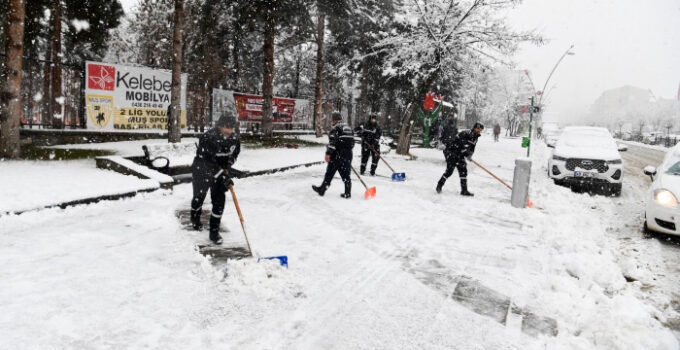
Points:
[(615, 190)]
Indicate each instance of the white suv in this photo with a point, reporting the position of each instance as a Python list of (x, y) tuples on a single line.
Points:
[(587, 157)]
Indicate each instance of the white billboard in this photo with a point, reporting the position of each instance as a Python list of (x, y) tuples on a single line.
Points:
[(121, 97)]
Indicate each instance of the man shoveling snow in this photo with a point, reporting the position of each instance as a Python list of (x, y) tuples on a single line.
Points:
[(217, 151), (338, 156), (459, 148)]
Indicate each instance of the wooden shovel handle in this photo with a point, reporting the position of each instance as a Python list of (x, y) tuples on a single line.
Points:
[(492, 174), (357, 174), (381, 158), (240, 216)]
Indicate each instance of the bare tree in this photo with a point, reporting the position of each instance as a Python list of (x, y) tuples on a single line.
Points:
[(10, 95), (174, 127), (442, 39)]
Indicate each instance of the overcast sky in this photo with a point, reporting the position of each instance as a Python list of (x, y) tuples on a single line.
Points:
[(616, 43)]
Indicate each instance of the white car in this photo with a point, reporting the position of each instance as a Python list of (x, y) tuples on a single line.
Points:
[(587, 157), (661, 209)]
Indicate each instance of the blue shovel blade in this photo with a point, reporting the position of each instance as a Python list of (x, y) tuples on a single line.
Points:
[(398, 176), (283, 259)]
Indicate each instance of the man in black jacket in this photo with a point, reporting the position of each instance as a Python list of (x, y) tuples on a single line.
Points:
[(458, 149), (338, 156), (370, 134), (218, 149)]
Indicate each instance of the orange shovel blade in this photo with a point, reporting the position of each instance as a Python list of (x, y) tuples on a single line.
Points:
[(370, 193)]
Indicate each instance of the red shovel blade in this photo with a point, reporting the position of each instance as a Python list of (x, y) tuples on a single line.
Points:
[(370, 193)]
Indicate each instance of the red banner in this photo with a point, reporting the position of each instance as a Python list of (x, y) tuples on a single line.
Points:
[(249, 108)]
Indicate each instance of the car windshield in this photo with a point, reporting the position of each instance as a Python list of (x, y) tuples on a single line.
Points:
[(587, 140), (674, 169)]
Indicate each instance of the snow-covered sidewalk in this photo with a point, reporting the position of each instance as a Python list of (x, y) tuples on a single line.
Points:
[(364, 274), (26, 185)]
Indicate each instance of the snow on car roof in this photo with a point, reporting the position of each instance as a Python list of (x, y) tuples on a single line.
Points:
[(593, 129)]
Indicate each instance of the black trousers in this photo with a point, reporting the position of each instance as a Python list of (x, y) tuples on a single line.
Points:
[(366, 151), (455, 161), (202, 181), (340, 165)]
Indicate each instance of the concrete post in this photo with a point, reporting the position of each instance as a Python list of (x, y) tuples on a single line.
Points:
[(520, 183)]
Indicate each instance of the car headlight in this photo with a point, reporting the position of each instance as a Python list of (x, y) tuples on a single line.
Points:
[(665, 198), (615, 161), (556, 157)]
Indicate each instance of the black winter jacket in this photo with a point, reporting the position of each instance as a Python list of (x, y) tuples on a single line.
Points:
[(216, 151), (340, 141), (369, 133), (464, 144)]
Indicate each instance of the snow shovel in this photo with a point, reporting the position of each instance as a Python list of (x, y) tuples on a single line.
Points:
[(529, 203), (395, 176), (370, 192), (283, 259)]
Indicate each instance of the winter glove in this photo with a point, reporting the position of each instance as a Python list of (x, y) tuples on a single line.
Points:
[(224, 180)]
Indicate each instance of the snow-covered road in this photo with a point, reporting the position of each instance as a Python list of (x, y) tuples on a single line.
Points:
[(407, 269)]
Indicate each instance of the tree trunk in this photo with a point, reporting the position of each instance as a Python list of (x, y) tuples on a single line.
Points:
[(405, 133), (268, 78), (350, 122), (174, 127), (236, 84), (318, 98), (10, 90), (298, 71), (57, 117), (362, 113)]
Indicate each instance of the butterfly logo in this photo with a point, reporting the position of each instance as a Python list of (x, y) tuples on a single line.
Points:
[(100, 77)]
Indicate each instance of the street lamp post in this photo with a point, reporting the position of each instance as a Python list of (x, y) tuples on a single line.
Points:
[(542, 93)]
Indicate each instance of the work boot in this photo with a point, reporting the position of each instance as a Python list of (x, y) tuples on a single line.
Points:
[(362, 169), (463, 188), (215, 230), (321, 190), (196, 219), (373, 167), (440, 184), (348, 191)]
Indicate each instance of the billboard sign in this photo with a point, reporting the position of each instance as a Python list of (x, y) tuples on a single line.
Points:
[(121, 97), (248, 107)]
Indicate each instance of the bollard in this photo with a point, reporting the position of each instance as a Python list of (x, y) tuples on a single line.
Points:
[(520, 183)]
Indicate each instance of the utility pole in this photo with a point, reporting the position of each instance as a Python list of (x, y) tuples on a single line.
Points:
[(531, 122)]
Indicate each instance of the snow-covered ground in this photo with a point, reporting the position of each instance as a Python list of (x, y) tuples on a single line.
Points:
[(644, 145), (26, 185), (364, 274)]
